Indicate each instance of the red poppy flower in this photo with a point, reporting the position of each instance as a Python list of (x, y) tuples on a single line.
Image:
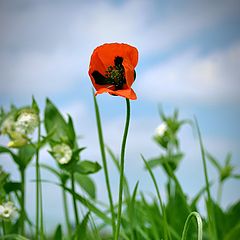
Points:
[(112, 69)]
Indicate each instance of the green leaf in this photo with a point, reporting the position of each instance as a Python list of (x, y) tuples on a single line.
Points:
[(82, 228), (26, 154), (87, 167), (87, 184), (71, 131), (233, 217), (214, 161), (35, 105), (195, 200), (177, 211), (233, 234), (51, 169), (172, 161), (132, 217), (12, 187), (154, 162), (14, 237), (228, 159), (54, 121), (58, 233), (61, 175), (220, 220), (237, 176), (13, 155)]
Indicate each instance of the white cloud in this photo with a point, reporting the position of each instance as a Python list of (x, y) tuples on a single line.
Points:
[(175, 25), (45, 48), (191, 77)]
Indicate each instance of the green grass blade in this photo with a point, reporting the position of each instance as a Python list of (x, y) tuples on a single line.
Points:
[(116, 162), (103, 154), (211, 218), (166, 230), (187, 224), (89, 205)]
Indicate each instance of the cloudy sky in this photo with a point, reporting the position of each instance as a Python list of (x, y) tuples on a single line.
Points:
[(189, 58)]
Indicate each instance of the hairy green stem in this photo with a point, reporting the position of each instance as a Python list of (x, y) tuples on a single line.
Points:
[(104, 161), (187, 224), (122, 169), (74, 199), (66, 211), (22, 217)]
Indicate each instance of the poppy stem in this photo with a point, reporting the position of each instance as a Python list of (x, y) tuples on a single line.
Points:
[(122, 169), (102, 149)]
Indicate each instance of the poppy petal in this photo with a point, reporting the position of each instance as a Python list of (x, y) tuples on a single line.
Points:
[(127, 93), (113, 55)]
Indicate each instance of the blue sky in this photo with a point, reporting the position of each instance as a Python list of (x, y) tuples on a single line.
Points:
[(189, 57)]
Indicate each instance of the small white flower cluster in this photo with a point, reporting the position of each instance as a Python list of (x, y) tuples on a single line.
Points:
[(8, 210), (62, 153), (18, 128), (161, 129), (26, 122)]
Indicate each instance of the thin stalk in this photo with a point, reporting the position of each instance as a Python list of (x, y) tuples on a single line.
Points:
[(219, 193), (74, 199), (166, 230), (104, 161), (211, 218), (22, 218), (177, 185), (187, 224), (122, 169), (37, 185), (41, 207), (116, 162), (66, 211), (3, 228)]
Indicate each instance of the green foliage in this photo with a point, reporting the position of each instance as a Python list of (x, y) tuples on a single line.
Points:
[(81, 230), (166, 137), (58, 235), (87, 184), (143, 217)]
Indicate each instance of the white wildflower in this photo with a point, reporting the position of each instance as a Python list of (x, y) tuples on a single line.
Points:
[(161, 129), (62, 153), (26, 122), (8, 210)]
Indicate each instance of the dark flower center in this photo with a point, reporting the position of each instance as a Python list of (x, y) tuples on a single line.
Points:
[(115, 75)]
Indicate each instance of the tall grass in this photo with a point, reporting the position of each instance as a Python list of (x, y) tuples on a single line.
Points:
[(135, 215)]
